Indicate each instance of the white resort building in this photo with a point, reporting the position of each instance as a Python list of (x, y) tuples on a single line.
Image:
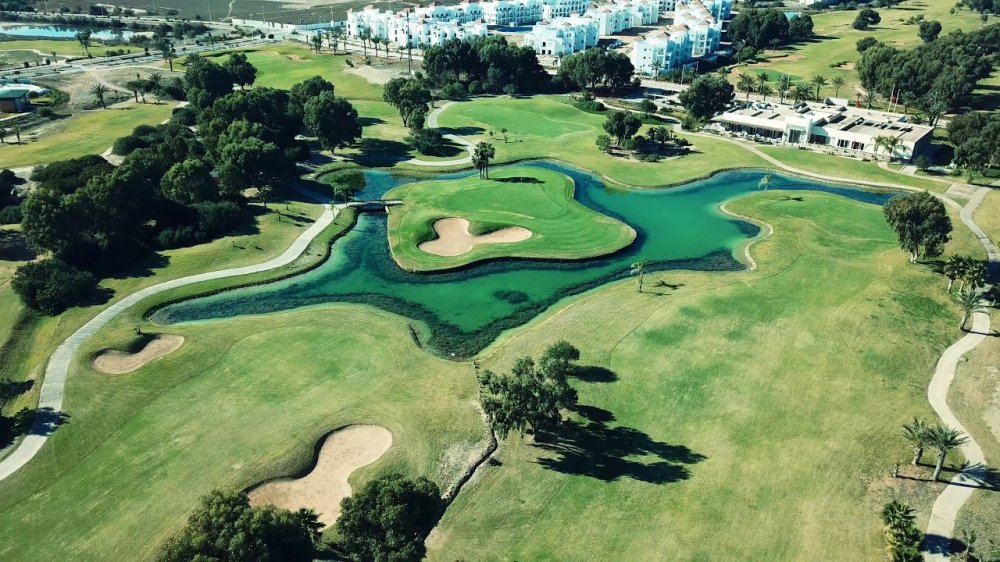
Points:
[(412, 27), (832, 126), (696, 33), (567, 35)]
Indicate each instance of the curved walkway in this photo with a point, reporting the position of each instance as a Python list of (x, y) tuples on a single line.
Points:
[(941, 527), (432, 123), (53, 385)]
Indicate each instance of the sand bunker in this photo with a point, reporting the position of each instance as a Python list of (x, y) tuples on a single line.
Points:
[(114, 362), (454, 238), (343, 452)]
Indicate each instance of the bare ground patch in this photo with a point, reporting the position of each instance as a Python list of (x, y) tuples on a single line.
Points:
[(454, 238), (375, 74), (343, 452), (113, 362)]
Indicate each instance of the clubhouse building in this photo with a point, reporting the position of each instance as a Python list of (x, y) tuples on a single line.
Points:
[(832, 126)]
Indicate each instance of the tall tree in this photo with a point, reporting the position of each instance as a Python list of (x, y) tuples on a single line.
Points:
[(242, 71), (99, 91), (481, 156), (388, 518), (225, 527), (818, 81), (83, 37), (409, 96), (954, 268), (166, 49), (944, 439), (638, 269), (970, 303), (917, 432), (707, 95), (921, 223), (334, 121), (622, 125), (303, 91), (746, 84), (531, 396), (838, 83)]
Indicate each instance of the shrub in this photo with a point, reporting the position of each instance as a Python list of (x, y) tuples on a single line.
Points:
[(186, 116), (216, 218), (45, 112), (10, 214), (51, 286), (475, 88), (922, 162), (453, 91), (427, 141)]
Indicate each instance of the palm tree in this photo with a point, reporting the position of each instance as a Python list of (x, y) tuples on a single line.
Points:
[(3, 134), (762, 80), (17, 129), (917, 432), (784, 84), (954, 268), (764, 182), (871, 98), (973, 274), (337, 35), (155, 84), (481, 157), (639, 269), (970, 304), (166, 51), (818, 81), (746, 84), (898, 515), (887, 143), (765, 91), (364, 35), (801, 92), (99, 90), (136, 87), (317, 42), (838, 82), (944, 439)]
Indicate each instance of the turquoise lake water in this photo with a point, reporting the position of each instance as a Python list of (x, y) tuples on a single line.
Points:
[(56, 32), (678, 228)]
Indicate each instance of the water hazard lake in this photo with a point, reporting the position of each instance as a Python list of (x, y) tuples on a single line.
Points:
[(678, 228)]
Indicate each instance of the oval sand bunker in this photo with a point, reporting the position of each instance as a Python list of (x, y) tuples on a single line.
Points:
[(454, 238), (343, 452), (113, 362)]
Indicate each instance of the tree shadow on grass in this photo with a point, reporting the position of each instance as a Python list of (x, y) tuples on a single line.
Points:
[(461, 131), (591, 373), (379, 152), (591, 447), (518, 179)]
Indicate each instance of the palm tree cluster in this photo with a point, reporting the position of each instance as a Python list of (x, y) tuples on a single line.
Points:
[(970, 271), (481, 157), (801, 91), (922, 435), (902, 537), (889, 144)]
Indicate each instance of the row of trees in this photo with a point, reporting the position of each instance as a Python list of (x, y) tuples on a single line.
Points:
[(591, 68), (922, 436), (485, 64), (173, 187), (761, 28), (784, 87), (935, 76)]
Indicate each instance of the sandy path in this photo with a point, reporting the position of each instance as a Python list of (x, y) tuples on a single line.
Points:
[(113, 362), (454, 238), (343, 452)]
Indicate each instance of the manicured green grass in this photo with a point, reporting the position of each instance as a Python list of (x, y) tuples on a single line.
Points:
[(836, 42), (765, 396), (70, 48), (848, 168), (90, 132), (271, 236), (533, 198), (550, 127), (240, 402)]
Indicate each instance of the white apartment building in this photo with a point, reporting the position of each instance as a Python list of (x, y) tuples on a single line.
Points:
[(696, 34), (406, 27), (563, 36), (827, 127), (524, 12), (625, 14)]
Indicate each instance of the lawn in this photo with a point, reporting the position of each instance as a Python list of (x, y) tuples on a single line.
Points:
[(975, 397), (836, 41), (69, 48), (772, 396), (90, 132), (551, 127), (536, 199), (140, 449), (848, 168)]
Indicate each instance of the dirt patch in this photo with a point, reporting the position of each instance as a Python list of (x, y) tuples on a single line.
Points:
[(454, 238), (374, 74), (114, 362), (343, 452)]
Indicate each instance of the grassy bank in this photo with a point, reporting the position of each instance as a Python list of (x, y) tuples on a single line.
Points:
[(536, 199), (768, 396)]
